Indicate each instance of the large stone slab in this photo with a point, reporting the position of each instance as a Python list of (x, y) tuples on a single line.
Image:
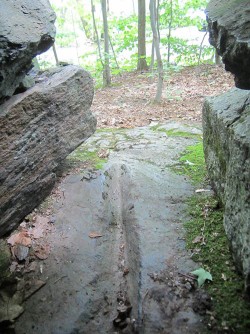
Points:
[(136, 205), (229, 33), (26, 30), (226, 126), (38, 129)]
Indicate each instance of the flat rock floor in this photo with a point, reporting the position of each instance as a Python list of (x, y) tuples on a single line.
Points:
[(118, 262)]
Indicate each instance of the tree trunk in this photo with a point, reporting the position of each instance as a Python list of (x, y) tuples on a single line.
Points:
[(152, 7), (106, 70), (96, 32), (170, 30), (217, 58), (55, 55), (201, 46), (133, 6), (142, 63)]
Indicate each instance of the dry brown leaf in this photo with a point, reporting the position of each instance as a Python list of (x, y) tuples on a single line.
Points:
[(42, 251), (20, 238), (197, 239), (94, 235)]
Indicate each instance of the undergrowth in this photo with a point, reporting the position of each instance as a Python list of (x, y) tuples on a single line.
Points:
[(206, 238), (90, 157), (192, 164)]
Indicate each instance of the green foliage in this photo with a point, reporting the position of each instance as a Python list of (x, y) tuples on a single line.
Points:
[(124, 32), (176, 14), (65, 39), (73, 17)]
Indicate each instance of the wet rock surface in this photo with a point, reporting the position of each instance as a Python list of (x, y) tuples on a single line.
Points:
[(229, 33), (38, 129), (226, 126), (26, 30), (117, 250)]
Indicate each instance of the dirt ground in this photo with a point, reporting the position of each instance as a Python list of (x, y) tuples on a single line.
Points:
[(128, 102)]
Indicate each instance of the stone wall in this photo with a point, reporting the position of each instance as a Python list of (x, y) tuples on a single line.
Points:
[(226, 126)]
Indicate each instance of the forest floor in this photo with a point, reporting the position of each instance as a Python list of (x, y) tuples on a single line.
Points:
[(128, 102)]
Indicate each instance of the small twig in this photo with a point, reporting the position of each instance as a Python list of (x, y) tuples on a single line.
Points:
[(187, 276), (59, 279)]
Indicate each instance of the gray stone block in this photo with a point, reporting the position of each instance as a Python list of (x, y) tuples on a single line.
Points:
[(226, 126), (26, 30), (38, 129)]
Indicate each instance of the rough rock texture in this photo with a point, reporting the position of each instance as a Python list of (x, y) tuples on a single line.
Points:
[(229, 31), (26, 30), (38, 129), (226, 125)]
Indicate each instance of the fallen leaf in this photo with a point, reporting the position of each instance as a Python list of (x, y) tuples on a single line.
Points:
[(42, 252), (21, 238), (223, 276), (202, 190), (94, 235), (202, 276), (197, 239), (103, 153), (37, 231)]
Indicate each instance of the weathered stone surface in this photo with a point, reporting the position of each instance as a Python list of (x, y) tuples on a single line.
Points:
[(226, 125), (229, 33), (26, 30), (38, 129)]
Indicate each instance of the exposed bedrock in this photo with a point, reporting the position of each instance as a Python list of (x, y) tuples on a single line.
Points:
[(226, 125), (38, 129), (229, 33), (26, 30)]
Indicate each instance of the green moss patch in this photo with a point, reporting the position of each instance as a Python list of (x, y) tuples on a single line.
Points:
[(206, 238), (176, 132), (192, 163), (231, 313), (91, 158)]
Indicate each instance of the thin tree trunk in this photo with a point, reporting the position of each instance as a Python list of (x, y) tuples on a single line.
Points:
[(217, 58), (152, 56), (55, 54), (201, 45), (133, 6), (112, 47), (157, 50), (96, 32), (142, 63), (170, 30), (157, 18), (106, 70), (152, 62)]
